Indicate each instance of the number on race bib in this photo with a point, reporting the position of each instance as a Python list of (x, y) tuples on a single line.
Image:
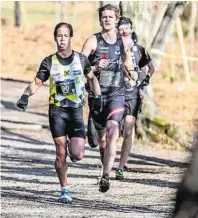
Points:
[(106, 78), (66, 88)]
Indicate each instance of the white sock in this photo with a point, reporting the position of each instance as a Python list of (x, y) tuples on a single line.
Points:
[(64, 187)]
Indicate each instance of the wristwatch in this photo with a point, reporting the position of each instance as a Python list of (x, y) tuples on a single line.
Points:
[(97, 96)]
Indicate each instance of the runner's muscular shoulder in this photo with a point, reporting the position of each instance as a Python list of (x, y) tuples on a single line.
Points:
[(89, 46)]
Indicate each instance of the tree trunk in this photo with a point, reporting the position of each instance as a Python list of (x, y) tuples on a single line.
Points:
[(183, 50), (192, 23), (153, 126), (164, 32), (191, 31), (17, 14), (60, 12), (187, 196), (139, 13), (156, 20), (102, 3), (151, 123)]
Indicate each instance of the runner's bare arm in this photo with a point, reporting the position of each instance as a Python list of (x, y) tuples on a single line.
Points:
[(93, 82), (89, 46), (151, 68), (33, 87)]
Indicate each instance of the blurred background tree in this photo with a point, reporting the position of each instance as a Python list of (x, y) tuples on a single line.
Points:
[(156, 28), (17, 14)]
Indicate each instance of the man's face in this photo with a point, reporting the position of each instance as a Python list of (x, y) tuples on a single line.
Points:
[(63, 38), (108, 20), (125, 30)]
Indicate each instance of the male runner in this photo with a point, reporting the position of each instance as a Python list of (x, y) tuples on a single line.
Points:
[(136, 78), (105, 51), (65, 69)]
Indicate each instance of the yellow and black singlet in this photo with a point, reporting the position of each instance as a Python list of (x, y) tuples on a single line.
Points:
[(67, 81)]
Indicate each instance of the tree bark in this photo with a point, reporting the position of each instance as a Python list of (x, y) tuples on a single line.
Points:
[(183, 50), (17, 14), (164, 32), (152, 124), (102, 3), (157, 17), (191, 31), (187, 195), (192, 23), (60, 12)]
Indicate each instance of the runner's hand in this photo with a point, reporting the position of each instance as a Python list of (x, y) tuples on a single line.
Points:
[(133, 75), (103, 63), (23, 102), (146, 80), (97, 104), (129, 84)]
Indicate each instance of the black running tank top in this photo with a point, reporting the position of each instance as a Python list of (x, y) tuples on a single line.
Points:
[(111, 79)]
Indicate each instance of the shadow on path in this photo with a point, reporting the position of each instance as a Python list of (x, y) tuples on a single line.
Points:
[(51, 197)]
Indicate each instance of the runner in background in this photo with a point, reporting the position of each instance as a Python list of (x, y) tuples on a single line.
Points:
[(135, 79)]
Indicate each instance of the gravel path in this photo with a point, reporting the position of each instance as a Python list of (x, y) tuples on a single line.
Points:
[(29, 185)]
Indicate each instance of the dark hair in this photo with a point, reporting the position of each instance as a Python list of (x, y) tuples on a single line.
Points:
[(69, 26), (125, 20), (111, 8)]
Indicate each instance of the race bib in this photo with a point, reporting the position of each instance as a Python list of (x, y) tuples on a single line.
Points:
[(106, 78), (66, 88), (116, 79)]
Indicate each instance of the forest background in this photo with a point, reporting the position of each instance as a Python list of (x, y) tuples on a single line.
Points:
[(27, 37)]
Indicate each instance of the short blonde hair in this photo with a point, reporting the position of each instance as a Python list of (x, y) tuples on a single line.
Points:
[(111, 8)]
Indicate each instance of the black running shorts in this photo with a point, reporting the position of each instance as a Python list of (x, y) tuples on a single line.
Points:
[(113, 109), (67, 121), (132, 107)]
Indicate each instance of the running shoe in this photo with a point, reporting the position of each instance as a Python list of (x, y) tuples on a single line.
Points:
[(104, 184), (119, 174), (65, 196), (126, 168)]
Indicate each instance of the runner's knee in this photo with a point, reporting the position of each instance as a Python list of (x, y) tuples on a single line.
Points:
[(112, 129), (78, 155), (76, 148), (129, 122)]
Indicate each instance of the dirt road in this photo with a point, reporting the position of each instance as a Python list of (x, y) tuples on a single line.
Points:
[(29, 185)]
